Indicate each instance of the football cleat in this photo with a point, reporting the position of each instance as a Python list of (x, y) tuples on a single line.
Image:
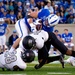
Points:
[(62, 61)]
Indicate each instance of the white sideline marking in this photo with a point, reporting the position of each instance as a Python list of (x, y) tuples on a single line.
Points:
[(13, 74), (58, 73)]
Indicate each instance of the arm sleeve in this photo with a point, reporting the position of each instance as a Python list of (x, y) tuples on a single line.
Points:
[(43, 12)]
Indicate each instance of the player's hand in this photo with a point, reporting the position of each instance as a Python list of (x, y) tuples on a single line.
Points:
[(37, 66)]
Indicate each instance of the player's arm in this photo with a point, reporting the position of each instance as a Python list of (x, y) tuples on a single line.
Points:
[(33, 14)]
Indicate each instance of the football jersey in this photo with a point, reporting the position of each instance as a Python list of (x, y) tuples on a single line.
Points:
[(26, 22), (9, 60), (3, 29), (41, 37), (43, 14), (67, 37)]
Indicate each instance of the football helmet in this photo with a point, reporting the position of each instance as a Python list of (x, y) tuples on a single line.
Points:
[(51, 20), (28, 42), (28, 56)]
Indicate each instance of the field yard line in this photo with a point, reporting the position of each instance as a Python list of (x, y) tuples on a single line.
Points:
[(58, 73), (13, 74)]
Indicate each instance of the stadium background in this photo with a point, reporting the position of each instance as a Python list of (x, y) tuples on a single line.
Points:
[(64, 10)]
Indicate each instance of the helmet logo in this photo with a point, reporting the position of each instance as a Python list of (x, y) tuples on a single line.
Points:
[(27, 54), (30, 41)]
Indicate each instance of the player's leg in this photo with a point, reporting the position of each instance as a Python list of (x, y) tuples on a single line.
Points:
[(60, 46), (55, 58), (22, 31), (51, 59), (48, 45), (42, 57)]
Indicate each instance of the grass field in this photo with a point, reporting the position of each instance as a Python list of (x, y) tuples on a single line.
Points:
[(49, 69)]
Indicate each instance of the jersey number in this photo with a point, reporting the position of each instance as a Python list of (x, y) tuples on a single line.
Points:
[(10, 57)]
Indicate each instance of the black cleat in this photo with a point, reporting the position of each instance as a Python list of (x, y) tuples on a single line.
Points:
[(62, 61)]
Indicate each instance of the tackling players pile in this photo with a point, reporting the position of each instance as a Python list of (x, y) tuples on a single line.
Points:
[(16, 59)]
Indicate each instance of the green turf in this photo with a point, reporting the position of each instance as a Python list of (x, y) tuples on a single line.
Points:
[(49, 69)]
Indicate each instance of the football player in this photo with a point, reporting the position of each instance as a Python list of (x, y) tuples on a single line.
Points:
[(43, 14), (41, 40), (48, 20), (67, 38), (24, 26), (4, 30), (16, 60)]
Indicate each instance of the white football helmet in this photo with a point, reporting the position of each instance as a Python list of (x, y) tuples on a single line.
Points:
[(53, 20)]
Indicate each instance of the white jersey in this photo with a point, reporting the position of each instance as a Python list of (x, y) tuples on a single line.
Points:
[(40, 37), (24, 28), (3, 28), (9, 60)]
